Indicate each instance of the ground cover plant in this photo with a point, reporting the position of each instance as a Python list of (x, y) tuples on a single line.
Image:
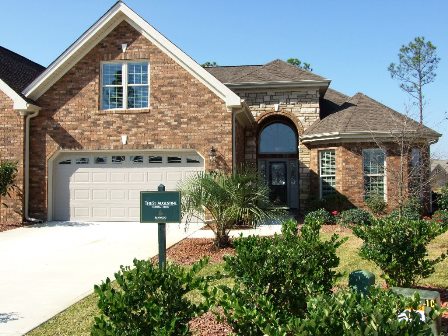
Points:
[(78, 319)]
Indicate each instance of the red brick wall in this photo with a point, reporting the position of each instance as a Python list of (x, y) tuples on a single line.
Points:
[(12, 148), (349, 171), (240, 144), (183, 112)]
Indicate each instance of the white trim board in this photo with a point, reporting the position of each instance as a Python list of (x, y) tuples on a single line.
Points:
[(18, 102), (118, 13)]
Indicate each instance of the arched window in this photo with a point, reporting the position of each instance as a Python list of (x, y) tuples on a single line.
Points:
[(277, 138)]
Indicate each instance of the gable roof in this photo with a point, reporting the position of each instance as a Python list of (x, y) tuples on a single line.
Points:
[(275, 73), (443, 164), (16, 72), (118, 13), (363, 117)]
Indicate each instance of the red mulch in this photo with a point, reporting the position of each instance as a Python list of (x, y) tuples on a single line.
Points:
[(208, 325), (191, 250)]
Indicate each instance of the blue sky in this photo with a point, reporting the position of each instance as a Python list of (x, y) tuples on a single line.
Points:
[(351, 42)]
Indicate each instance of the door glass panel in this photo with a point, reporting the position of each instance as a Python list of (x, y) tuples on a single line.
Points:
[(277, 183), (278, 138)]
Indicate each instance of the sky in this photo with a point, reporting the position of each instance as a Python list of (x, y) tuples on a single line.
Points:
[(351, 42)]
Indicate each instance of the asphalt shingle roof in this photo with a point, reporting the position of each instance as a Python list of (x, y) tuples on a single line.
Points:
[(275, 71), (361, 113), (17, 71)]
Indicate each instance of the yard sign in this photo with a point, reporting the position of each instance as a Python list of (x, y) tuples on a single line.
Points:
[(160, 207)]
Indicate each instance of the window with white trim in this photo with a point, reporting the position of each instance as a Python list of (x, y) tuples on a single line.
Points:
[(125, 85), (374, 162), (327, 172)]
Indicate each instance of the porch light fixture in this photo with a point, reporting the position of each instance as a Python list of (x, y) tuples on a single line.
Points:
[(212, 154), (124, 139), (124, 46)]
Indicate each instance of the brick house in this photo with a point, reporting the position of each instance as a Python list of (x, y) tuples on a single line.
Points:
[(123, 110)]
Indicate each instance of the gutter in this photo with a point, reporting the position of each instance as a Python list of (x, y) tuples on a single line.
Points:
[(28, 115)]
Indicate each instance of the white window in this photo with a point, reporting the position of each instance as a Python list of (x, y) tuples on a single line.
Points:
[(374, 161), (125, 85), (327, 173)]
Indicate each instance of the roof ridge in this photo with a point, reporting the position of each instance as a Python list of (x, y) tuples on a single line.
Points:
[(251, 72)]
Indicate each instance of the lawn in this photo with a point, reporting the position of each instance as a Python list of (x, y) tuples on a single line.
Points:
[(77, 319)]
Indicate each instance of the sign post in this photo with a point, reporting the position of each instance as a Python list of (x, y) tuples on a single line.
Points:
[(160, 207)]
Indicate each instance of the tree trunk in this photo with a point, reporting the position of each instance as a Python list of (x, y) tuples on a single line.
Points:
[(221, 238)]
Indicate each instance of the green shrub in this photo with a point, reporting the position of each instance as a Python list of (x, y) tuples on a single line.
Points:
[(330, 203), (279, 269), (348, 312), (441, 216), (376, 204), (399, 248), (412, 209), (442, 199), (320, 216), (148, 301), (353, 217)]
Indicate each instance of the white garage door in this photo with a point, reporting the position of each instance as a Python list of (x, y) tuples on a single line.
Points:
[(106, 187)]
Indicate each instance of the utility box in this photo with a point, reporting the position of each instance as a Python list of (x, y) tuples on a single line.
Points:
[(429, 299), (361, 280)]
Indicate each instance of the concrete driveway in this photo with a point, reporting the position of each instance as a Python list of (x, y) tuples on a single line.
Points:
[(47, 268)]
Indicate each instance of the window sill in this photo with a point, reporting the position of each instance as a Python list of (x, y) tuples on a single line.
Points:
[(125, 111)]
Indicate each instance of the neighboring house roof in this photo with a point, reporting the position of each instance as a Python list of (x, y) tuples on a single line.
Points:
[(16, 72), (118, 13), (363, 117), (443, 164)]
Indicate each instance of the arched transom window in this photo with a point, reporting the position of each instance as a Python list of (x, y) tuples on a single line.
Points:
[(277, 138)]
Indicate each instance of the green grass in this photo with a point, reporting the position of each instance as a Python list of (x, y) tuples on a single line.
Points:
[(77, 319)]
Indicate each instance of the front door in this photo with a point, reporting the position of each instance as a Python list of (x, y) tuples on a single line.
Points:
[(278, 183)]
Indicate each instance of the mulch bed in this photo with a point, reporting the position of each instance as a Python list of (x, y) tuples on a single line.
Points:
[(191, 250)]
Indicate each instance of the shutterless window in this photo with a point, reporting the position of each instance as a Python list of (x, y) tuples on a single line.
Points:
[(155, 159), (174, 159), (118, 159), (327, 172), (125, 85), (137, 159), (374, 166)]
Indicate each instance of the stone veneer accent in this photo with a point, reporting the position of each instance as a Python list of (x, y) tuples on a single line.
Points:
[(299, 105), (183, 113), (12, 130)]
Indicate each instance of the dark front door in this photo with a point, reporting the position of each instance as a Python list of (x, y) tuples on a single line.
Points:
[(278, 183)]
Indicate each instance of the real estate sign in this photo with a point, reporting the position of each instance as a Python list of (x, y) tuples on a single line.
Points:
[(160, 207)]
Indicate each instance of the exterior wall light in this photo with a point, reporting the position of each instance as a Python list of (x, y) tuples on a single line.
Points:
[(124, 139), (124, 46), (212, 154)]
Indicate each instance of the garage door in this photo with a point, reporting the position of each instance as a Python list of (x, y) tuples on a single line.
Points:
[(106, 187)]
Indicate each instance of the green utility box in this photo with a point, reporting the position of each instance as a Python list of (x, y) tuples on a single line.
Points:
[(361, 280), (429, 299)]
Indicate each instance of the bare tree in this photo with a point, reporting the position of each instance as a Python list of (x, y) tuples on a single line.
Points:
[(416, 68)]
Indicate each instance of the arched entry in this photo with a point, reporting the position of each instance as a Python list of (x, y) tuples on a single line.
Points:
[(278, 161)]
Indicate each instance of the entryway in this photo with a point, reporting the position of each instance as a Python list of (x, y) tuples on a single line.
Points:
[(278, 163)]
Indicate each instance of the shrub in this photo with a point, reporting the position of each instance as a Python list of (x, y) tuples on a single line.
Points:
[(348, 312), (337, 202), (442, 199), (399, 248), (376, 204), (227, 199), (412, 209), (148, 301), (320, 216), (441, 216), (279, 270), (352, 217)]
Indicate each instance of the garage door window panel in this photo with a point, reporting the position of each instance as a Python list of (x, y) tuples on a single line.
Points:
[(137, 159), (174, 159), (118, 159), (155, 159), (65, 162), (101, 160), (83, 160)]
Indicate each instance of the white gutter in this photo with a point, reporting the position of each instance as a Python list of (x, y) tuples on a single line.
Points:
[(234, 139), (26, 165)]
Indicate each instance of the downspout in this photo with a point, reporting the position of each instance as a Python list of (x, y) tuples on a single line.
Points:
[(26, 165)]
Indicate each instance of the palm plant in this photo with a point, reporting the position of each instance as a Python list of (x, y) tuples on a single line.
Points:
[(222, 200)]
